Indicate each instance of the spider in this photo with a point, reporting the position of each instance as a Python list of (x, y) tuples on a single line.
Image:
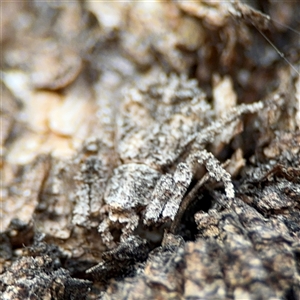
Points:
[(162, 137)]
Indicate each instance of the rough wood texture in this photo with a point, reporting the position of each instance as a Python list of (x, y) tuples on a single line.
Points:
[(150, 150)]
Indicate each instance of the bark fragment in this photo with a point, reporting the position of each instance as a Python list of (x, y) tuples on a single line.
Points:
[(155, 145)]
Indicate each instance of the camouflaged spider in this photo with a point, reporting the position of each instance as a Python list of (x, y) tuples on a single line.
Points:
[(164, 129)]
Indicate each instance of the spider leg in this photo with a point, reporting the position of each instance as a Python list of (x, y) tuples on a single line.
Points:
[(168, 194), (162, 193), (214, 169), (182, 178)]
